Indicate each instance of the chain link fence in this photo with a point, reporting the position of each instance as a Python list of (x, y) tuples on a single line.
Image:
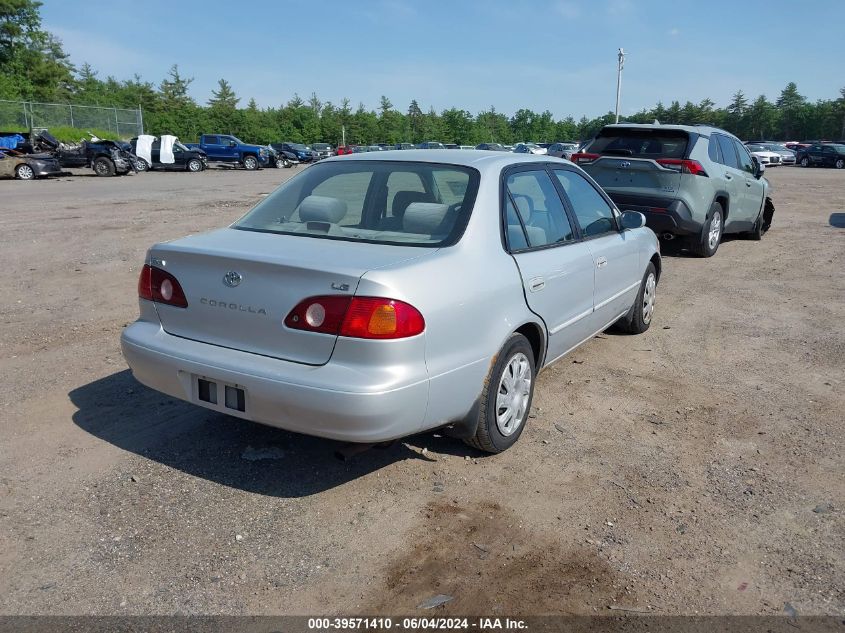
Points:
[(25, 115)]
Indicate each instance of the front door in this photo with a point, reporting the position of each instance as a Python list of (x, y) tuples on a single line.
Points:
[(556, 268), (617, 264), (751, 192)]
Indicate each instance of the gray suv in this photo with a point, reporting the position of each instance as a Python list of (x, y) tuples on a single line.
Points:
[(690, 181)]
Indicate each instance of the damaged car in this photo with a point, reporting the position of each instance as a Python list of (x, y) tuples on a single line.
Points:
[(167, 153), (14, 164)]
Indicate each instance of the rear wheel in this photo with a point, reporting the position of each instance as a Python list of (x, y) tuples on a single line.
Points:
[(805, 162), (839, 164), (195, 165), (711, 235), (506, 398), (24, 172), (250, 163), (104, 167)]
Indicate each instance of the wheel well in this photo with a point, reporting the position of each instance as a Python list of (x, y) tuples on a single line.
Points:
[(655, 259), (725, 202), (534, 334)]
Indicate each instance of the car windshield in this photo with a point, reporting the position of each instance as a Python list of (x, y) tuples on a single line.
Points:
[(382, 202), (179, 145), (298, 146), (641, 143), (320, 146)]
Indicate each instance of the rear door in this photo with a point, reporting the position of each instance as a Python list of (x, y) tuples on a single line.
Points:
[(616, 260), (556, 269), (211, 145)]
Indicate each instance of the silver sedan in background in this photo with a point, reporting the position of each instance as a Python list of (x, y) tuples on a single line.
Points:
[(379, 295), (563, 150)]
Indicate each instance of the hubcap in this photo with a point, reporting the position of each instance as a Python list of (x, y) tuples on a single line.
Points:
[(715, 230), (840, 164), (249, 163), (194, 165), (512, 395), (102, 168), (25, 172), (649, 293)]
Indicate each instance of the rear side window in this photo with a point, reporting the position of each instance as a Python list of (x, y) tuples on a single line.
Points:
[(211, 140), (713, 150), (728, 151), (641, 143), (540, 208)]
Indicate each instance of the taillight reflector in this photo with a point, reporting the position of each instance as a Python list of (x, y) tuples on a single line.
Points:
[(682, 165), (155, 284), (584, 157), (357, 317)]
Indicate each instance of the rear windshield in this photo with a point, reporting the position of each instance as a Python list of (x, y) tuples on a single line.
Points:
[(320, 146), (641, 143), (384, 202)]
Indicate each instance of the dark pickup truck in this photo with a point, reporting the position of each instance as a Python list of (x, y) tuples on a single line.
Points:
[(223, 148)]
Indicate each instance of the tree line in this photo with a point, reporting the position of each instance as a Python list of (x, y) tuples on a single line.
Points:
[(34, 67)]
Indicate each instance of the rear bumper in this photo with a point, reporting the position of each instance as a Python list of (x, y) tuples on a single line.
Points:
[(278, 393), (662, 215)]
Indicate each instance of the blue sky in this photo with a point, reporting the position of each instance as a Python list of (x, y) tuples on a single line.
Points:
[(540, 54)]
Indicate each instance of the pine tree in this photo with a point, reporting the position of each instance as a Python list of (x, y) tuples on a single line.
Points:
[(224, 97), (174, 91)]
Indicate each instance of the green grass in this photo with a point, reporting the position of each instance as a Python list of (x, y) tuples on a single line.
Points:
[(67, 134)]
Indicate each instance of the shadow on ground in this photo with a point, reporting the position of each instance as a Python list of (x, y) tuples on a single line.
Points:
[(227, 450)]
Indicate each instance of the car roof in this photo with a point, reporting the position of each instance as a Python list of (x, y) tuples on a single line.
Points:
[(692, 129), (478, 158)]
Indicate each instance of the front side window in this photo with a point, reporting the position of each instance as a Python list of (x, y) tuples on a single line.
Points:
[(745, 162), (403, 203), (540, 208), (595, 216)]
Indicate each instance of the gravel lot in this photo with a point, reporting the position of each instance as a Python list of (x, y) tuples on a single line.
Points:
[(695, 469)]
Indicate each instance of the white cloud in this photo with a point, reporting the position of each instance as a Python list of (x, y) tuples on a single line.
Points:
[(568, 9), (673, 32)]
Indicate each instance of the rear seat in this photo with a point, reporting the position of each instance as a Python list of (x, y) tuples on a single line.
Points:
[(428, 218)]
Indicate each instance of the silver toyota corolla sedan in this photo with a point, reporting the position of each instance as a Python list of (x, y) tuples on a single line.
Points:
[(378, 295)]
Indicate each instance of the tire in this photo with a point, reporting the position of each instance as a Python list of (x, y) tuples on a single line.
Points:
[(805, 162), (839, 164), (103, 166), (508, 388), (756, 233), (143, 165), (250, 163), (638, 319), (24, 172), (287, 164), (194, 165), (711, 233)]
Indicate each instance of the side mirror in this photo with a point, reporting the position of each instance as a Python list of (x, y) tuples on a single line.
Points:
[(632, 220), (759, 168), (232, 144)]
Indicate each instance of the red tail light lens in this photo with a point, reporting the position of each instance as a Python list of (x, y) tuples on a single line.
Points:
[(160, 286), (584, 157), (357, 317), (684, 166)]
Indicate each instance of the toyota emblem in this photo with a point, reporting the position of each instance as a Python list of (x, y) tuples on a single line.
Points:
[(624, 164), (232, 278)]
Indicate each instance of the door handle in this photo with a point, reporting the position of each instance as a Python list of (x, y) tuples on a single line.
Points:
[(536, 284), (601, 262), (747, 183), (728, 177)]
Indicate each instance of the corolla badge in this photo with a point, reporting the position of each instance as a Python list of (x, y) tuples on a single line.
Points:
[(232, 278), (625, 164)]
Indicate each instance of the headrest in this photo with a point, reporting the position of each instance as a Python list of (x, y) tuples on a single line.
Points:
[(322, 209), (403, 198), (516, 238), (424, 217)]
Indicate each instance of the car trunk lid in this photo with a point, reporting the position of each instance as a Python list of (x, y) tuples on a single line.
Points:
[(634, 176), (240, 285)]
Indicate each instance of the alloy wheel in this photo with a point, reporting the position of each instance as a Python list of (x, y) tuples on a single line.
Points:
[(715, 230), (649, 295)]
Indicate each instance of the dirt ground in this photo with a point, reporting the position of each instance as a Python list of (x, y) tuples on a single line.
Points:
[(699, 468)]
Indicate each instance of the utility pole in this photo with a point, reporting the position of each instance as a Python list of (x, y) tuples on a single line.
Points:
[(621, 57)]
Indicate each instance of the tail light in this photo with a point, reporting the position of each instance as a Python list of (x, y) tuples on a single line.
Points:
[(684, 166), (583, 158), (160, 286), (357, 317)]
